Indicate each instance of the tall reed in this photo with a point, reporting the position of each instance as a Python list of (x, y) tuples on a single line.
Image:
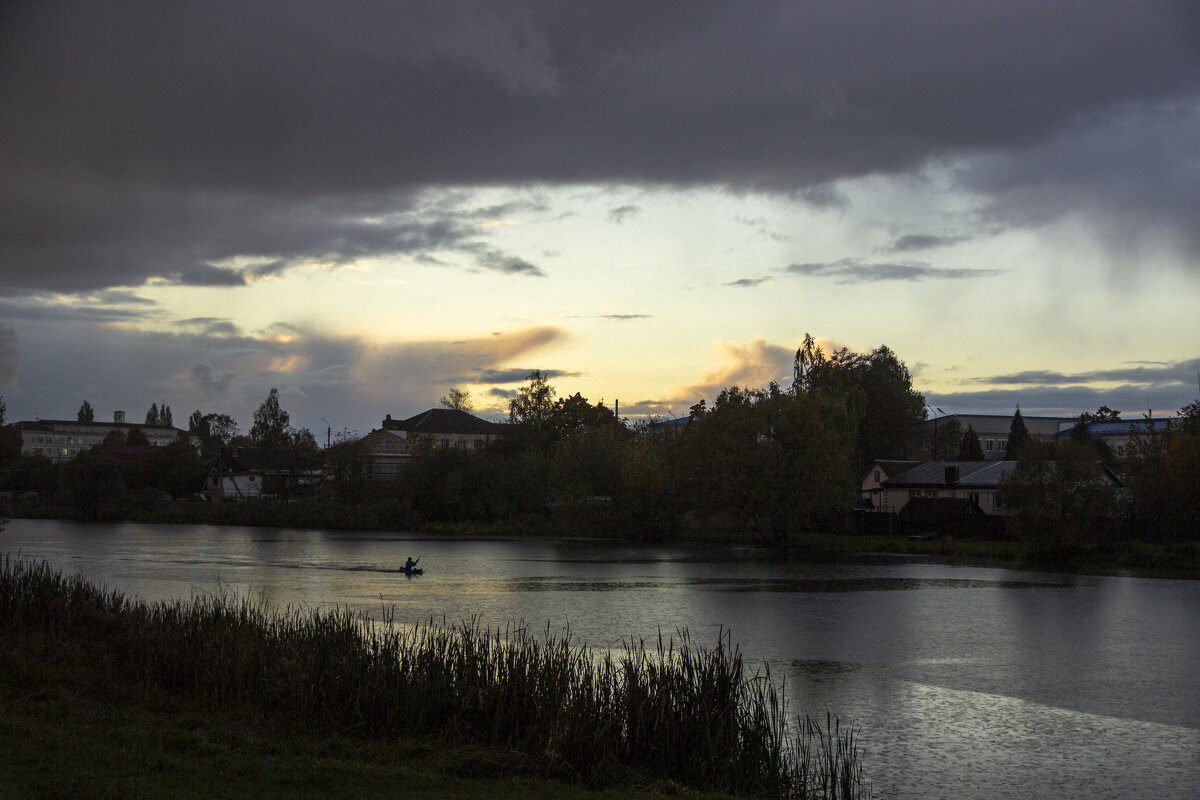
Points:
[(671, 710)]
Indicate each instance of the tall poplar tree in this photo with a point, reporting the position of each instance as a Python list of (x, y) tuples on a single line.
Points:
[(271, 423), (1018, 436)]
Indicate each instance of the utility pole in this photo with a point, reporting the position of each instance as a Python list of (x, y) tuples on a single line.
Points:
[(328, 430)]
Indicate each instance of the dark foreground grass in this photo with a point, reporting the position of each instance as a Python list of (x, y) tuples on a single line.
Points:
[(673, 714)]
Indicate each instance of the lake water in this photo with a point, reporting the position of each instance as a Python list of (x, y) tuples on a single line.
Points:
[(962, 681)]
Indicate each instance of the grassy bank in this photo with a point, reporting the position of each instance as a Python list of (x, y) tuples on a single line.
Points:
[(174, 687)]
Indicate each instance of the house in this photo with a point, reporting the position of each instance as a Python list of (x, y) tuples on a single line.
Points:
[(872, 483), (940, 437), (386, 450), (1120, 434), (448, 427), (251, 473), (394, 442), (61, 440), (230, 477), (974, 481)]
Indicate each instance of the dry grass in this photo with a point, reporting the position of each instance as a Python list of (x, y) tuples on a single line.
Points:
[(672, 711)]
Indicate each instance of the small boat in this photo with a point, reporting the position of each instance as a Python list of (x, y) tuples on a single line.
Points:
[(413, 571)]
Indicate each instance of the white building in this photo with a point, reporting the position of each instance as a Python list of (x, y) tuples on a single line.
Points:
[(930, 439), (61, 440), (977, 481)]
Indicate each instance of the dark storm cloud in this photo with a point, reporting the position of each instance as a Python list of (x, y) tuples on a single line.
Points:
[(210, 326), (621, 213), (71, 310), (206, 275), (1134, 388), (505, 376), (851, 270), (206, 384), (10, 356), (143, 138), (495, 261), (920, 241), (1168, 374), (1065, 401)]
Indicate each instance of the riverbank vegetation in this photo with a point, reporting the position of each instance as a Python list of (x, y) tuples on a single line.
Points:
[(772, 466), (670, 713)]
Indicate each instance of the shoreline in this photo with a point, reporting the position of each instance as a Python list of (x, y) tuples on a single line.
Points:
[(1124, 558)]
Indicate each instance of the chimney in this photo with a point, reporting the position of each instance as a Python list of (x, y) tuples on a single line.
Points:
[(951, 475), (118, 416)]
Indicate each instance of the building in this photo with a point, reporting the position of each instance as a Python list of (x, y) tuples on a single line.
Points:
[(872, 484), (252, 473), (394, 442), (973, 481), (61, 440), (940, 437), (1120, 434), (448, 427), (386, 451)]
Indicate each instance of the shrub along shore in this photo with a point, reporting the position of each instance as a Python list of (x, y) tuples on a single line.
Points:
[(671, 714)]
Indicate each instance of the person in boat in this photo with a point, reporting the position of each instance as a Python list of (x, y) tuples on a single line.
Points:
[(410, 564)]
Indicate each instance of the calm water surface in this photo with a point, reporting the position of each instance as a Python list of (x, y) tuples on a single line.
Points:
[(964, 682)]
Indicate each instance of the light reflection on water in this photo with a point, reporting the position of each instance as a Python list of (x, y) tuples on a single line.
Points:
[(963, 682)]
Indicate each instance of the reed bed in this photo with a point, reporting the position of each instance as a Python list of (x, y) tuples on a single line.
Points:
[(671, 710)]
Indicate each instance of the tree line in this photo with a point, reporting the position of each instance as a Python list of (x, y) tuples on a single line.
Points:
[(97, 483), (767, 460)]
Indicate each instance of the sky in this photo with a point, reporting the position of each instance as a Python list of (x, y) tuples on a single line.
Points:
[(364, 204)]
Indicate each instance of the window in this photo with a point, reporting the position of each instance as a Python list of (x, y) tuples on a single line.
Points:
[(1003, 445), (989, 445), (877, 476)]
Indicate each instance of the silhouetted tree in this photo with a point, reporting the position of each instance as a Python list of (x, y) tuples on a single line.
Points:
[(159, 416), (458, 400), (970, 449), (1018, 436), (86, 414), (270, 427)]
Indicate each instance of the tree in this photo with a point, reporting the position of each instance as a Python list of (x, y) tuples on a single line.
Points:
[(572, 413), (970, 449), (86, 414), (3, 409), (136, 436), (159, 416), (271, 423), (198, 426), (1018, 436), (222, 428), (212, 429), (533, 407), (1162, 473), (877, 389), (458, 400), (1073, 485)]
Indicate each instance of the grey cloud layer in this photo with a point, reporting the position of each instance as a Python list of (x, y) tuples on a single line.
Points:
[(148, 139), (851, 270)]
